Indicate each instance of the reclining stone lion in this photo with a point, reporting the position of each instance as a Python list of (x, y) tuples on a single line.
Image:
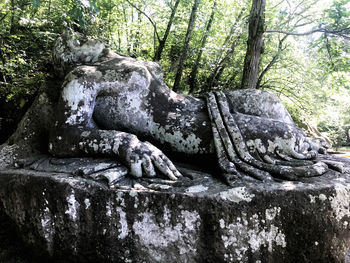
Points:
[(116, 106)]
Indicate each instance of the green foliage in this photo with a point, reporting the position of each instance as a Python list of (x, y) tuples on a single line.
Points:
[(309, 72), (28, 30), (36, 4)]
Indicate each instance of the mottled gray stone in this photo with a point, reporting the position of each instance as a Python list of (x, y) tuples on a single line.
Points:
[(114, 106), (75, 219), (87, 209)]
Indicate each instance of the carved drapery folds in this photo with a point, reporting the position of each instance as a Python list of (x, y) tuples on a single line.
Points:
[(270, 155)]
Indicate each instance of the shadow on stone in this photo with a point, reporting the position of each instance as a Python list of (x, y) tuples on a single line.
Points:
[(12, 247)]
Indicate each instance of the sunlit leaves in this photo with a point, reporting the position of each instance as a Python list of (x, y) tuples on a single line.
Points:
[(309, 72)]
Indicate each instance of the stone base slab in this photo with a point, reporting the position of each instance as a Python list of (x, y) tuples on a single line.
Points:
[(73, 219)]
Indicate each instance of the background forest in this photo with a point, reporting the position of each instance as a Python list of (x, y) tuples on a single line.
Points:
[(201, 45)]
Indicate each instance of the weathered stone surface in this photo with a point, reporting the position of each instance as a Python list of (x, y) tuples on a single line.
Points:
[(11, 248), (200, 220), (32, 134), (110, 105), (65, 209), (114, 106)]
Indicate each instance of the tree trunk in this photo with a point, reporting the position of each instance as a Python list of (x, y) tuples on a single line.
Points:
[(161, 45), (131, 33), (119, 41), (221, 57), (193, 75), (254, 44), (155, 31), (272, 62), (13, 13), (214, 77), (136, 45), (126, 27), (183, 57)]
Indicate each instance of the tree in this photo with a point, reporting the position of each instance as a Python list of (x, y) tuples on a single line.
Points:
[(333, 28), (272, 62), (225, 53), (203, 42), (161, 41), (193, 74), (161, 44), (184, 54), (254, 44)]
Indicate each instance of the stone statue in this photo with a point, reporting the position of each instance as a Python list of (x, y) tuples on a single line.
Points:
[(111, 109), (117, 106)]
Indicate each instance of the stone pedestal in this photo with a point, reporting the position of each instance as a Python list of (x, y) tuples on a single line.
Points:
[(73, 219)]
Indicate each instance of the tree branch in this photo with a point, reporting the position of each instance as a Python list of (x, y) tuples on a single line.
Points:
[(3, 17), (149, 19), (158, 52), (273, 61), (303, 24), (341, 32), (278, 4)]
